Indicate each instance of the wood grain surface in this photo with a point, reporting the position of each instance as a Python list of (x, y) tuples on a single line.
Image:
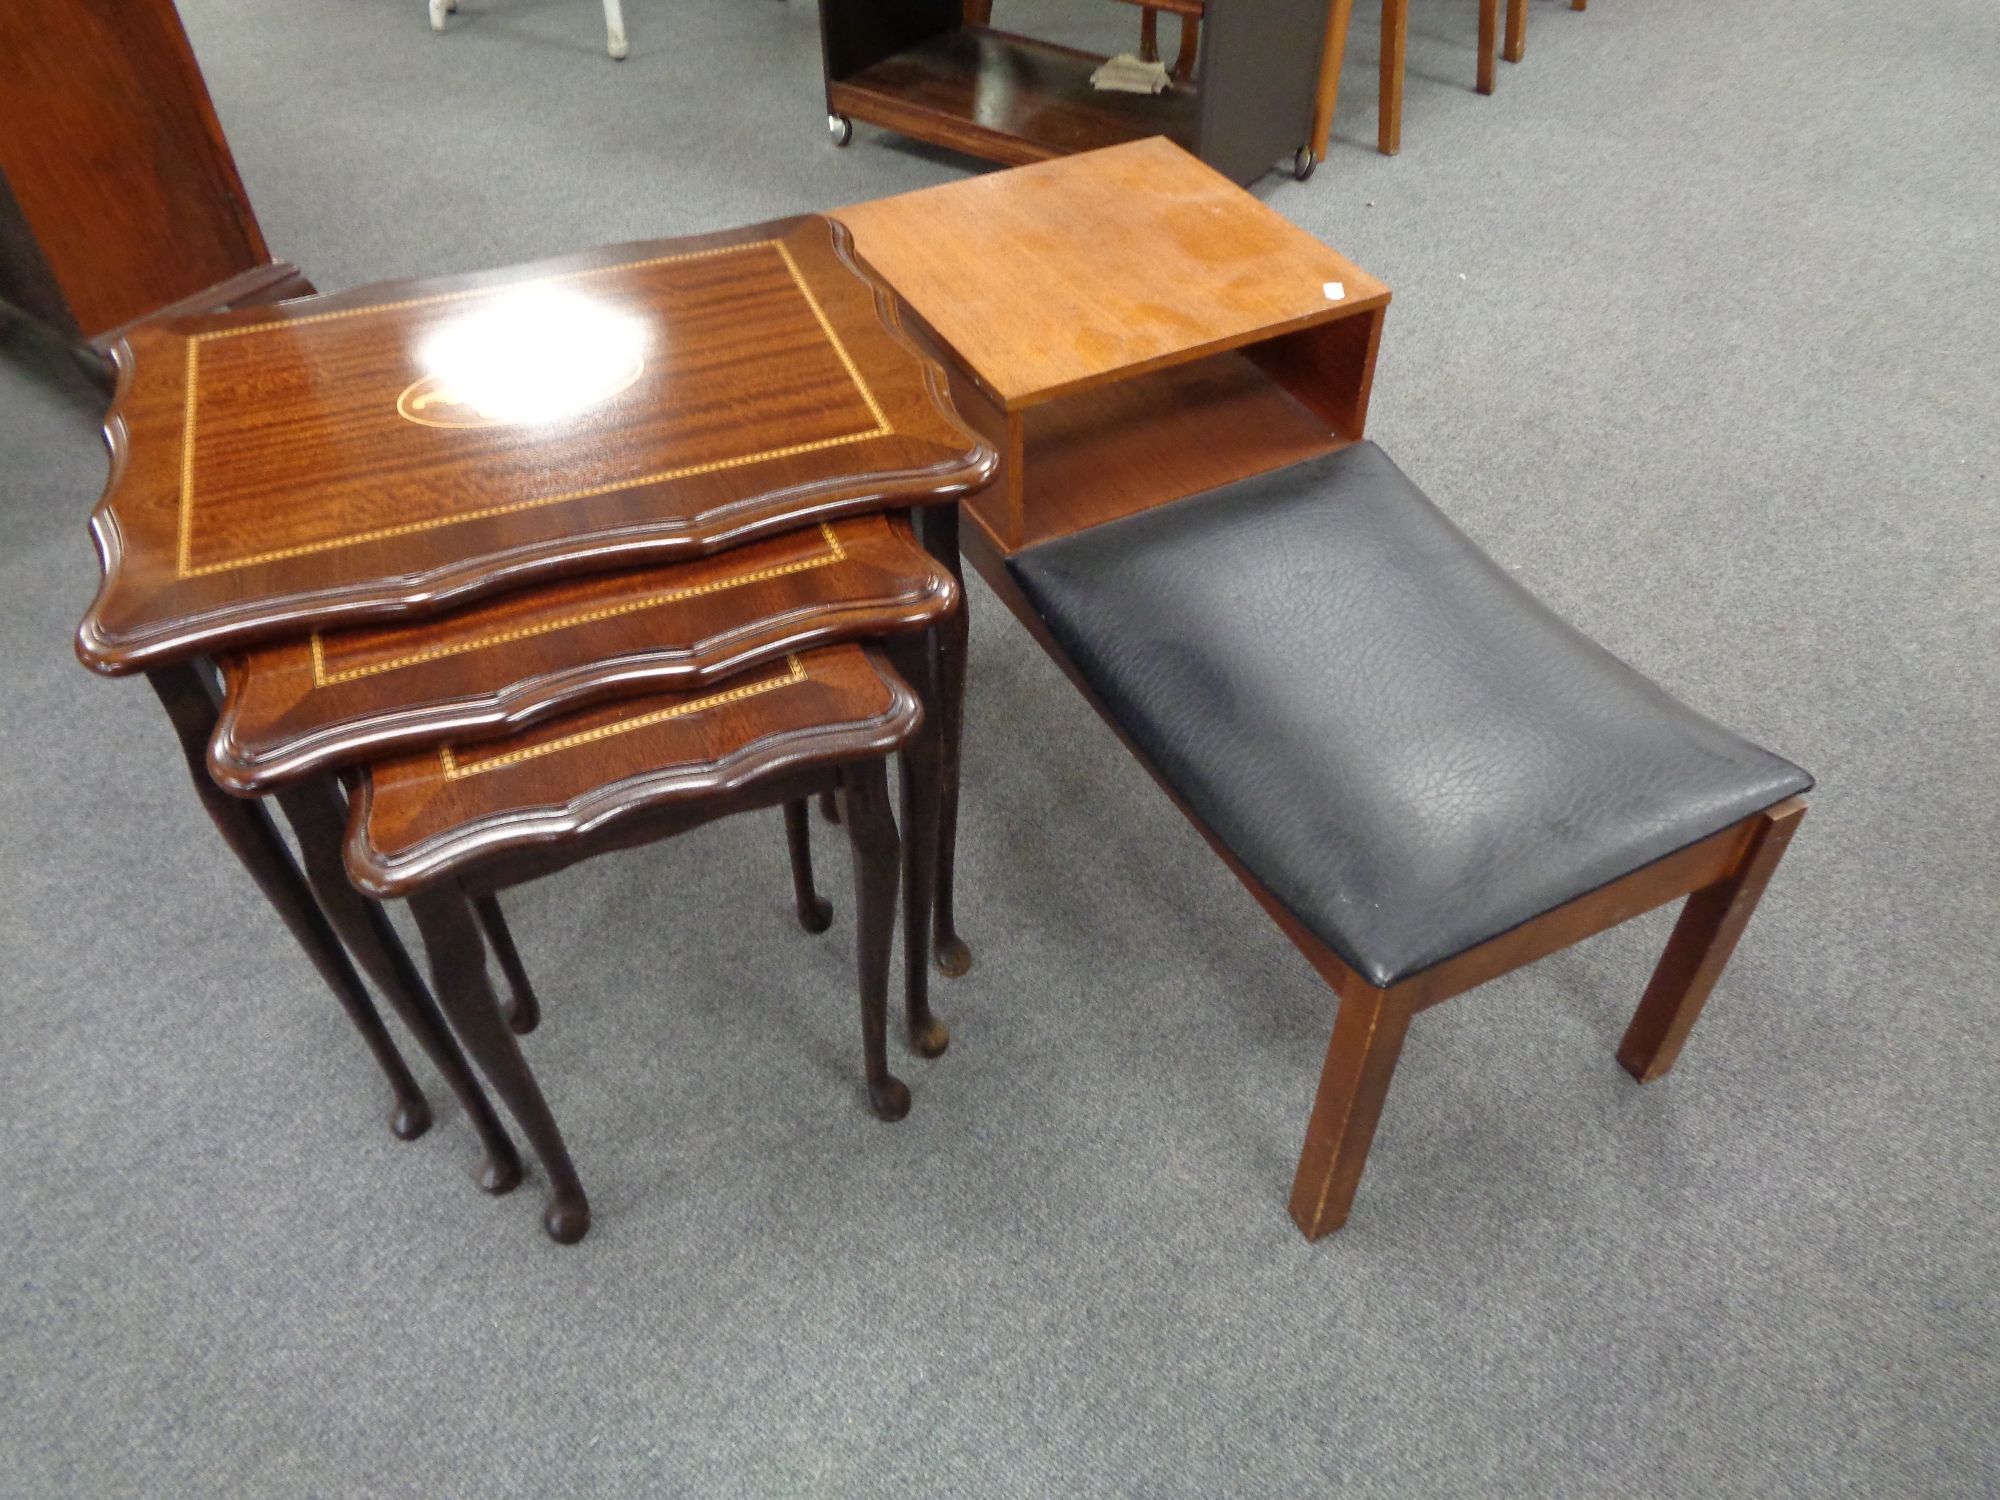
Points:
[(419, 818), (114, 154), (342, 696), (1115, 450), (1008, 98), (401, 449), (1073, 273)]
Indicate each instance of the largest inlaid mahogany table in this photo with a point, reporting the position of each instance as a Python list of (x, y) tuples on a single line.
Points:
[(399, 450)]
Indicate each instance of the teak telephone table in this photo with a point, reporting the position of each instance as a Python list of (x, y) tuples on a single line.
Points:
[(396, 451), (1425, 777), (1176, 335)]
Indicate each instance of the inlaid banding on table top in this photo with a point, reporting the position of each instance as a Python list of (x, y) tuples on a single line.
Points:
[(323, 677), (348, 447), (456, 769)]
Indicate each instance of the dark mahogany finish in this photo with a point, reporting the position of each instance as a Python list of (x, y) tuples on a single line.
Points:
[(248, 830), (338, 697), (769, 387), (402, 449), (321, 908), (447, 828), (815, 911)]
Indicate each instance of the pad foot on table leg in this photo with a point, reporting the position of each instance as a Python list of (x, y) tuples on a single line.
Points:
[(815, 911), (929, 1036), (567, 1219), (951, 955), (499, 1175), (889, 1098), (411, 1117)]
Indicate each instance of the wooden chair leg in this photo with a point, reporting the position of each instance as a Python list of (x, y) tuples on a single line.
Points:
[(1395, 40), (871, 831), (254, 839), (458, 969), (1190, 46), (318, 816), (1578, 4), (815, 911), (976, 12), (1149, 35), (1333, 55), (1368, 1036), (1517, 30), (524, 1010), (829, 807), (1704, 938), (1489, 23)]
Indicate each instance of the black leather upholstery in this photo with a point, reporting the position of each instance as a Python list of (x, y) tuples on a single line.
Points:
[(1394, 736)]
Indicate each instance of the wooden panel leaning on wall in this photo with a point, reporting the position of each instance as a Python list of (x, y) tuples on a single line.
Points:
[(117, 171)]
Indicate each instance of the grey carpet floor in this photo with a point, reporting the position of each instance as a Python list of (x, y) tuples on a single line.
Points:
[(1695, 329)]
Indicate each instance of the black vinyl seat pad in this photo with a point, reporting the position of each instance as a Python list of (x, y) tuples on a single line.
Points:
[(1405, 746)]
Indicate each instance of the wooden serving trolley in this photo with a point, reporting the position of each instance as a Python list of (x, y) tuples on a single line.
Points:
[(933, 70)]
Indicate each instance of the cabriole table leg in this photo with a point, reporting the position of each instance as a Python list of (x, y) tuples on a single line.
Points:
[(318, 815), (247, 828), (938, 530)]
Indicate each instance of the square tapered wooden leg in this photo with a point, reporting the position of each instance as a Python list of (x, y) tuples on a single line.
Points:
[(1333, 54), (1395, 38), (1517, 30), (1703, 940), (1489, 26), (1367, 1039)]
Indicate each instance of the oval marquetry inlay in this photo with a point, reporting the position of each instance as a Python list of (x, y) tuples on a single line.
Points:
[(539, 354)]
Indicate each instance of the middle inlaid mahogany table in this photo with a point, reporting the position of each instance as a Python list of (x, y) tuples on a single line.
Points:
[(446, 685), (400, 450)]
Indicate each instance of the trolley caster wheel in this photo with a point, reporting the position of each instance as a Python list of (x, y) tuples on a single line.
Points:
[(840, 128), (1303, 163)]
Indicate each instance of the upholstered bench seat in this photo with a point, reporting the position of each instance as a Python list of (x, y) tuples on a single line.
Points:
[(1405, 749)]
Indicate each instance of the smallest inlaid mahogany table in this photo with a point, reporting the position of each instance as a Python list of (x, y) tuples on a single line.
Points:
[(400, 450)]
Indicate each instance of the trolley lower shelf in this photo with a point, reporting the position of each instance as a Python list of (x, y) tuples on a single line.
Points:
[(1008, 98)]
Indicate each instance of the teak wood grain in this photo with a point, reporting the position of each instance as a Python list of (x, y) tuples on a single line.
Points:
[(1115, 450), (279, 469), (112, 150), (338, 697), (1054, 278)]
